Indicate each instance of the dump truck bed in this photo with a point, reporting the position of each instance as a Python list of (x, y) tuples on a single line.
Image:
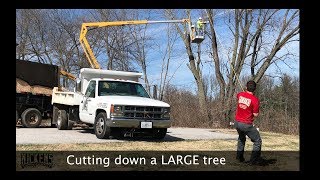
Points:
[(65, 97), (36, 78), (37, 74)]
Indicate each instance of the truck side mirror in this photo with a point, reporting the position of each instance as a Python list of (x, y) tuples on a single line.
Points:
[(78, 85)]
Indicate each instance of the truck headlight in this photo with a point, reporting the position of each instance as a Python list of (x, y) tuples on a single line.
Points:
[(116, 110), (166, 112)]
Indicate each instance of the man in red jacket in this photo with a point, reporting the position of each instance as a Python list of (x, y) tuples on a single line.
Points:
[(247, 110)]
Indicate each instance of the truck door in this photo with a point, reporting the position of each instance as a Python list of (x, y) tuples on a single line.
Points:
[(88, 104)]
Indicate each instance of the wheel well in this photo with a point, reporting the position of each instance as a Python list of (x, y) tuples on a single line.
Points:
[(24, 107), (99, 111), (62, 106)]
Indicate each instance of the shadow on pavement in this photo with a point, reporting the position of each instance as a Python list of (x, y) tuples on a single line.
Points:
[(263, 162), (167, 138)]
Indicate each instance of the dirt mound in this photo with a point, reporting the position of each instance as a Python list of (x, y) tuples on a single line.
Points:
[(41, 90), (22, 86)]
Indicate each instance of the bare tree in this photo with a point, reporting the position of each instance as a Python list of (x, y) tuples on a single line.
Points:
[(33, 35), (63, 38), (117, 40), (141, 43), (125, 46), (139, 52), (172, 37), (22, 29), (51, 36), (194, 63), (250, 30)]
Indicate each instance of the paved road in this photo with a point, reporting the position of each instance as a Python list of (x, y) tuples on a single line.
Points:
[(55, 136)]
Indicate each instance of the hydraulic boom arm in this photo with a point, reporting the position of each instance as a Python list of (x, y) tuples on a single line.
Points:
[(84, 29), (68, 75)]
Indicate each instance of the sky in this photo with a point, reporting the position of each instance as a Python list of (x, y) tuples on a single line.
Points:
[(183, 77), (179, 73)]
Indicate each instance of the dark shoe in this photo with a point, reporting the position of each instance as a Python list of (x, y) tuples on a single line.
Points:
[(255, 156), (240, 159)]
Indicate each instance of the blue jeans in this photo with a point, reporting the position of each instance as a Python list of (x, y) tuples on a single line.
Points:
[(250, 131)]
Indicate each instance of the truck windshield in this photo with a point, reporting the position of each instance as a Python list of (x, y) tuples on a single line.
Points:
[(109, 88)]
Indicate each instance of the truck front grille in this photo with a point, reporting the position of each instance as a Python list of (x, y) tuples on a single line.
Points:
[(143, 112)]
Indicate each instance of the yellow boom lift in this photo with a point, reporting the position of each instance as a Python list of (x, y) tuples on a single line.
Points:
[(89, 53)]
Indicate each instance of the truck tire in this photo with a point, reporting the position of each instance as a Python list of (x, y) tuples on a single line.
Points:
[(100, 127), (70, 125), (31, 118), (160, 133), (55, 112), (62, 120)]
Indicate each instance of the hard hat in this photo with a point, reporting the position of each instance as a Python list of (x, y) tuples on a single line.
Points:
[(200, 18), (192, 26)]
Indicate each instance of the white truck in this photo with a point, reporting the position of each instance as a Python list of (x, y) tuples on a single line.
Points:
[(113, 102)]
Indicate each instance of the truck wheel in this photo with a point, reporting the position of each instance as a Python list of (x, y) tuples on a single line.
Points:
[(62, 120), (31, 118), (55, 112), (100, 127), (70, 125), (160, 133)]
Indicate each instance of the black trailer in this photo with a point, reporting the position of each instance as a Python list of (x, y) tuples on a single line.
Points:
[(32, 108)]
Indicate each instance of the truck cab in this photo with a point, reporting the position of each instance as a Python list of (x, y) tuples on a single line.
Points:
[(113, 101)]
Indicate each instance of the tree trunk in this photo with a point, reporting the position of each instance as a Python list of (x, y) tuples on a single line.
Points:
[(202, 98), (146, 79)]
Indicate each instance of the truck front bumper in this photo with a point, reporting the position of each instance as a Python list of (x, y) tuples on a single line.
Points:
[(135, 123)]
